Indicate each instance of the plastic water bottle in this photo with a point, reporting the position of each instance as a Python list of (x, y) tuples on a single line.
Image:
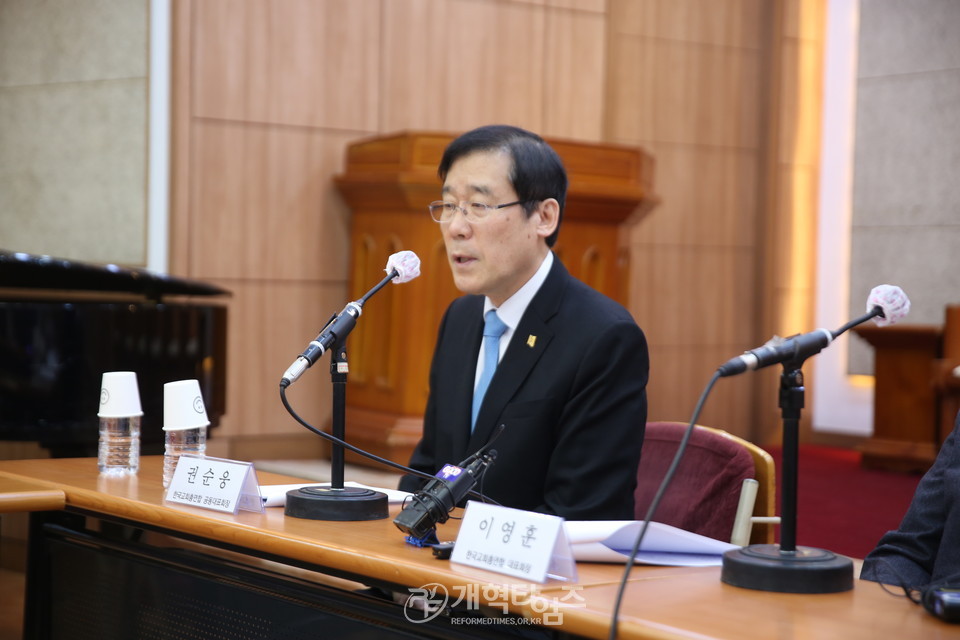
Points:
[(178, 442), (119, 452), (184, 424), (119, 445)]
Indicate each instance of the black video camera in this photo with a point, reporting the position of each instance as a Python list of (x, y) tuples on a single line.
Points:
[(433, 503)]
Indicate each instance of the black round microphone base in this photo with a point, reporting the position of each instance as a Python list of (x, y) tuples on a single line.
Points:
[(343, 504), (765, 567)]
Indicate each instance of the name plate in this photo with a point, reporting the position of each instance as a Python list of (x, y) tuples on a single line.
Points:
[(215, 483), (524, 544)]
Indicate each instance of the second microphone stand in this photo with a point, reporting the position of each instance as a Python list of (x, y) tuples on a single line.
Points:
[(787, 568), (337, 502)]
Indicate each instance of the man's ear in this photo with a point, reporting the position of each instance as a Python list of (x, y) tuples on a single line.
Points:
[(549, 212)]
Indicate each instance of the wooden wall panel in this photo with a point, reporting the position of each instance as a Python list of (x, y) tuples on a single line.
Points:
[(693, 296), (181, 138), (799, 132), (297, 62), (678, 375), (596, 6), (219, 60), (268, 95), (574, 78), (689, 89), (265, 192), (713, 194), (686, 94), (451, 65), (735, 23), (788, 200), (270, 324), (727, 100)]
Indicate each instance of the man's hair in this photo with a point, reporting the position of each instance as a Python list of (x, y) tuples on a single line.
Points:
[(537, 172)]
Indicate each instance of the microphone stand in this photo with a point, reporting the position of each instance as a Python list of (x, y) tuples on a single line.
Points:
[(786, 568), (338, 380), (337, 502)]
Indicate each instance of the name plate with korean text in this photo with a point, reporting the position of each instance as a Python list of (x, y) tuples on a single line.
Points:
[(524, 544), (215, 483)]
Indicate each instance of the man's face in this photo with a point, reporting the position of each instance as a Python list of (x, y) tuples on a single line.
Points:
[(496, 256)]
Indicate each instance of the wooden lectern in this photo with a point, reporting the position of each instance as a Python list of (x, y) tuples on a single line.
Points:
[(947, 372), (917, 393), (905, 411), (388, 182)]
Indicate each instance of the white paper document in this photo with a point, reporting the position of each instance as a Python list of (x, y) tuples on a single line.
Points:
[(275, 495), (612, 541)]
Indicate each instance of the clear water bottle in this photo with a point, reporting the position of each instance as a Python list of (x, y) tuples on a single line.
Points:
[(120, 413), (184, 424), (178, 442), (119, 451)]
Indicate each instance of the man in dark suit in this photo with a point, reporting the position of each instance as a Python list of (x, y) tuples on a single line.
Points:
[(924, 549), (570, 384)]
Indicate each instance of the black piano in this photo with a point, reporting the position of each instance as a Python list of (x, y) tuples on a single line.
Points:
[(63, 323)]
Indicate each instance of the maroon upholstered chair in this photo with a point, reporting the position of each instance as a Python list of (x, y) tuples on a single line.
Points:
[(705, 493)]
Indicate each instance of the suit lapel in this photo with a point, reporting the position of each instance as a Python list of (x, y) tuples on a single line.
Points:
[(530, 339)]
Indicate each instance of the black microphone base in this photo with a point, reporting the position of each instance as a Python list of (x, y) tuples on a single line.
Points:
[(329, 503), (765, 567)]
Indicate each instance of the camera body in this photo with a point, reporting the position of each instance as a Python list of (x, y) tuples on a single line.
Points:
[(943, 602), (433, 503)]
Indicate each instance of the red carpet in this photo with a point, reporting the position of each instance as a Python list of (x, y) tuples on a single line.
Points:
[(842, 507)]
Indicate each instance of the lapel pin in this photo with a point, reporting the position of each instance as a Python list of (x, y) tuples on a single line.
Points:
[(531, 340)]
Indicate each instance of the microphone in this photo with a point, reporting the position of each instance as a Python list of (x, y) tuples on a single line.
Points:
[(401, 267), (433, 503), (886, 304), (777, 350), (893, 303)]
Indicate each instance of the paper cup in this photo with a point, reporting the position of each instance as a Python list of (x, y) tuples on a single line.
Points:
[(119, 396), (183, 406)]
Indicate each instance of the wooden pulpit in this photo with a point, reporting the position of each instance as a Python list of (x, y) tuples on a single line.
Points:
[(947, 372), (917, 394), (905, 401), (388, 182)]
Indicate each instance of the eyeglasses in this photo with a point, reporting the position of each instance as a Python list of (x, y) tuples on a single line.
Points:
[(473, 212)]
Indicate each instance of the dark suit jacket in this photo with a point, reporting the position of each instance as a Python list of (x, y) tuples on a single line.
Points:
[(570, 390), (926, 547)]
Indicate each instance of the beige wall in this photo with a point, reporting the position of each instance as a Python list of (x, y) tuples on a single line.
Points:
[(906, 206), (268, 95), (73, 114)]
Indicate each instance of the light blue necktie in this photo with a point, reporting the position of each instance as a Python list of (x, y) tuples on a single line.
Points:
[(493, 328)]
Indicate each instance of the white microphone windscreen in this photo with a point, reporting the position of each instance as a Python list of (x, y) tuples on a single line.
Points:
[(893, 301), (407, 265)]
